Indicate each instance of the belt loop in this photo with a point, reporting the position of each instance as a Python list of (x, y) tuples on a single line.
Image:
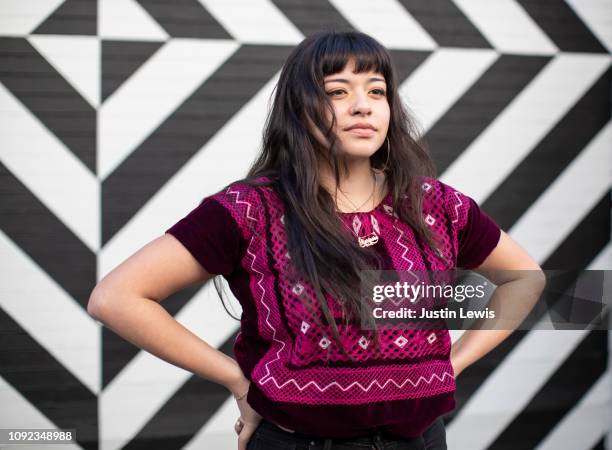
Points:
[(378, 443)]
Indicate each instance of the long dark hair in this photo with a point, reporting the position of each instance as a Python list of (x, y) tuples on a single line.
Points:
[(321, 249)]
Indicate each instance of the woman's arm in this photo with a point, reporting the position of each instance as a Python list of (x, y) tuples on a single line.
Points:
[(127, 301), (520, 280)]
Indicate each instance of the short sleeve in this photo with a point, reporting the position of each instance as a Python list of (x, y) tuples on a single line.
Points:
[(211, 235), (476, 233)]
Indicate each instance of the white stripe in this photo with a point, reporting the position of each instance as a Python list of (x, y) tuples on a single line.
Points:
[(586, 423), (218, 432), (49, 314), (127, 20), (147, 382), (48, 169), (77, 59), (20, 18), (387, 21), (597, 15), (493, 155), (152, 94), (441, 80), (18, 412), (254, 21), (224, 158), (506, 392), (506, 25), (555, 214)]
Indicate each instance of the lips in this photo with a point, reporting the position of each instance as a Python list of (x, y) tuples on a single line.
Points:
[(360, 126)]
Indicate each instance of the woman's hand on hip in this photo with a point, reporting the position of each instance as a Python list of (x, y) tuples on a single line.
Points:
[(247, 423)]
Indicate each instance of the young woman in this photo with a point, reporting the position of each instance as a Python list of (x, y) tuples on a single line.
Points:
[(342, 184)]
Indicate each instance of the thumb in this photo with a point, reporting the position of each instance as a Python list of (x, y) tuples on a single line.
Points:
[(245, 435)]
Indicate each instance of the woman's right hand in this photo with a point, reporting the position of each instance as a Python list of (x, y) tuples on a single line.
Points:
[(247, 423)]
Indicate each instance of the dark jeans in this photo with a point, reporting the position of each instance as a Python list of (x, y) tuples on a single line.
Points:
[(268, 436)]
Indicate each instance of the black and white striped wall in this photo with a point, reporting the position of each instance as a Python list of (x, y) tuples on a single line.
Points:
[(118, 116)]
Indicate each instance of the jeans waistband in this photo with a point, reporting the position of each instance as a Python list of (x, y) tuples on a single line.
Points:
[(377, 438)]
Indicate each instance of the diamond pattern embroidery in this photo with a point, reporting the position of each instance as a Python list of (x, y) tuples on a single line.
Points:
[(298, 289), (363, 342), (431, 338), (426, 187), (374, 224), (400, 341), (304, 327), (430, 220), (282, 219), (324, 342)]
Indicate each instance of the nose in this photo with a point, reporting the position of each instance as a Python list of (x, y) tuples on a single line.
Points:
[(361, 105)]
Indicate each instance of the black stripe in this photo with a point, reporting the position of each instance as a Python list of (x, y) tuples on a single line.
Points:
[(120, 59), (559, 21), (185, 19), (480, 105), (562, 391), (71, 17), (406, 62), (445, 23), (169, 147), (117, 352), (471, 378), (44, 382), (49, 97), (45, 239), (312, 16), (185, 413), (600, 444), (552, 155), (586, 240)]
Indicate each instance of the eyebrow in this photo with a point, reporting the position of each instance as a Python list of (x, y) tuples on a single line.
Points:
[(344, 80)]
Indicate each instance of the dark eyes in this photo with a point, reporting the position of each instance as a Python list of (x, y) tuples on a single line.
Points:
[(336, 92)]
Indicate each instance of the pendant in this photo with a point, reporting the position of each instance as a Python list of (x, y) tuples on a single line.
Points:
[(368, 240)]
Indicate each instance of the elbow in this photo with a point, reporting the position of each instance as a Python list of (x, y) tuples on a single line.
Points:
[(95, 304)]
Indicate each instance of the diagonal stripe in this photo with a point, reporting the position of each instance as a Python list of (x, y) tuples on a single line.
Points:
[(185, 19), (387, 21), (49, 97), (507, 26), (312, 16), (556, 212), (446, 23), (205, 173), (127, 20), (254, 21), (149, 382), (133, 113), (28, 150), (49, 315), (124, 192), (597, 15), (38, 376), (218, 431), (194, 413), (562, 25), (120, 59), (77, 59), (498, 369), (72, 17), (530, 116), (583, 426), (406, 62), (552, 154), (564, 389), (465, 121), (19, 18), (442, 80), (17, 412), (117, 352), (45, 239)]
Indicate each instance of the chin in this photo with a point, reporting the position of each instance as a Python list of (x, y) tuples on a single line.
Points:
[(360, 151)]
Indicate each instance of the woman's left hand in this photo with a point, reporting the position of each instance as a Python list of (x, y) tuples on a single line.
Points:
[(246, 424)]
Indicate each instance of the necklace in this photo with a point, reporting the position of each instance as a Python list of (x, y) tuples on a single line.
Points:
[(372, 238), (367, 200)]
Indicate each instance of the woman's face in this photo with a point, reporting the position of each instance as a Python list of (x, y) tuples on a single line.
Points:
[(361, 108)]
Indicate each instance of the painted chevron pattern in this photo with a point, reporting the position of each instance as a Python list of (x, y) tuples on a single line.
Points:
[(119, 116)]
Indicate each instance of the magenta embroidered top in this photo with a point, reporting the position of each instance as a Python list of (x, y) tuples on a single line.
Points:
[(299, 378)]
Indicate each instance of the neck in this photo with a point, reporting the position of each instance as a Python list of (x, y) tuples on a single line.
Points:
[(356, 184)]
